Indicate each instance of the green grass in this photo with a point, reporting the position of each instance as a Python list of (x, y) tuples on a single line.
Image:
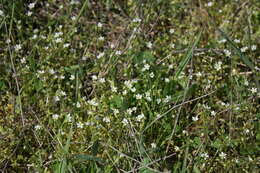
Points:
[(129, 86)]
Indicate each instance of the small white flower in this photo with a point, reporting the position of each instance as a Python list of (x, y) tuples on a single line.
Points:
[(17, 47), (167, 99), (210, 4), (151, 75), (149, 45), (253, 90), (78, 105), (62, 77), (84, 58), (173, 45), (69, 118), (140, 117), (217, 66), (29, 13), (116, 111), (94, 77), (23, 60), (106, 119), (118, 52), (138, 96), (58, 40), (137, 20), (176, 148), (56, 98), (100, 55), (124, 92), (73, 18), (133, 89), (129, 111), (253, 47), (125, 121), (213, 113), (237, 41), (35, 36), (247, 131), (167, 80), (196, 118), (153, 145), (172, 30), (8, 41), (55, 116), (37, 127), (244, 49), (227, 52), (158, 101), (101, 38), (222, 41), (204, 155), (31, 5), (72, 77), (102, 80), (93, 102), (99, 25), (199, 74), (114, 89), (80, 125), (222, 155), (66, 45)]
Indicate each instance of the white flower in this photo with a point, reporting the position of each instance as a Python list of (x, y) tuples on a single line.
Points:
[(37, 127), (93, 102), (17, 47), (125, 121), (118, 52), (149, 45), (8, 41), (137, 20), (146, 67), (78, 105), (69, 118), (244, 49), (116, 111), (99, 25), (173, 45), (217, 66), (66, 45), (195, 118), (72, 77), (167, 99), (58, 34), (100, 55), (29, 13), (84, 58), (138, 96), (222, 41), (102, 80), (158, 101), (153, 145), (204, 155), (199, 74), (253, 47), (140, 117), (237, 41), (213, 113), (227, 52), (73, 18), (114, 89), (23, 60), (55, 116), (31, 5), (253, 90), (172, 30), (152, 75), (167, 80), (106, 119), (62, 77), (101, 38), (222, 155), (124, 92), (176, 148), (209, 4), (58, 40), (94, 77), (56, 98), (80, 125)]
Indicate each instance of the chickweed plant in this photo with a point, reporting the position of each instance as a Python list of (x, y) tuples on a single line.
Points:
[(129, 86)]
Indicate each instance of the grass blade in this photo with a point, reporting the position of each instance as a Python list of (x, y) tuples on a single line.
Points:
[(188, 56)]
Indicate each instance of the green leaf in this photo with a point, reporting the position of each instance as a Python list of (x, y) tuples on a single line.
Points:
[(187, 58), (117, 101), (86, 157)]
